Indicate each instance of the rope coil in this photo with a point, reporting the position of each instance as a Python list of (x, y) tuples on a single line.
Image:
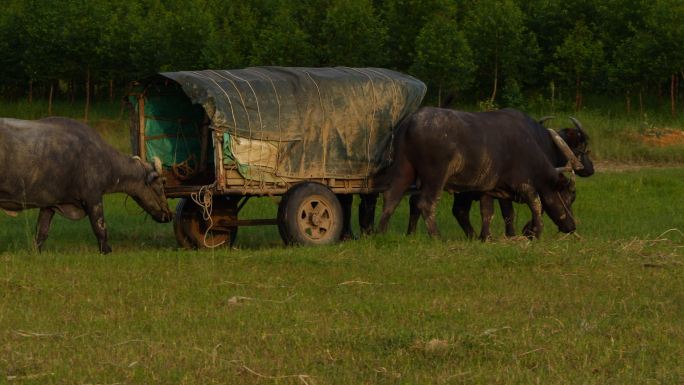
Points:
[(204, 199)]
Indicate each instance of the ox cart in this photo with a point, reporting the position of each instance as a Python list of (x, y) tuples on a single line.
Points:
[(309, 135)]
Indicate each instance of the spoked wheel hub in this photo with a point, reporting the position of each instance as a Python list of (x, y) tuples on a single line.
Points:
[(315, 217), (310, 214)]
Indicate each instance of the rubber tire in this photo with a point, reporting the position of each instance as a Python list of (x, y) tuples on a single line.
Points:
[(189, 227), (297, 210)]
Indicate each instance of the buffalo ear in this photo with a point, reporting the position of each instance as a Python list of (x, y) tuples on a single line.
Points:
[(151, 177)]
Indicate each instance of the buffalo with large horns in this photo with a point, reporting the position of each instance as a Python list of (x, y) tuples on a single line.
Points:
[(566, 148), (462, 151)]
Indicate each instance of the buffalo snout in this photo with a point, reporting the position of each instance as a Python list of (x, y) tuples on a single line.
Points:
[(164, 217)]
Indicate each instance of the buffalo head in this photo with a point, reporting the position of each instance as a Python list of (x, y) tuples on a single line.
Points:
[(578, 141), (557, 203), (149, 192)]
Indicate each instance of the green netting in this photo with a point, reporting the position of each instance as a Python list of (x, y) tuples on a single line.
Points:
[(172, 125)]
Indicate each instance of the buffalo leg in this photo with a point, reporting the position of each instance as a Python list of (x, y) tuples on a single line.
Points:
[(536, 224), (508, 214), (404, 176), (346, 203), (43, 227), (528, 229), (96, 215), (461, 211), (427, 204), (367, 213), (487, 214), (414, 214)]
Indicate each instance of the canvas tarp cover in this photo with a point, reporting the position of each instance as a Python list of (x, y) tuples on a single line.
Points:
[(304, 122)]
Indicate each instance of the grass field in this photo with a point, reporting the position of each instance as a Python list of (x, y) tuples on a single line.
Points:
[(602, 308)]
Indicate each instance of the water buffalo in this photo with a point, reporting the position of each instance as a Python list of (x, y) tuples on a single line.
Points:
[(574, 138), (366, 214), (61, 165), (463, 151)]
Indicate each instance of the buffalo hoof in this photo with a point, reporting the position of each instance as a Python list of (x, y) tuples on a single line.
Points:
[(105, 249), (530, 232), (348, 237)]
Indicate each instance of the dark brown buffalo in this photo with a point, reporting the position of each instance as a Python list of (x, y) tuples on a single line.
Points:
[(577, 142), (61, 165), (462, 151)]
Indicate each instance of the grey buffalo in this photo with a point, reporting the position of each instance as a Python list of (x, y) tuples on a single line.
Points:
[(59, 165)]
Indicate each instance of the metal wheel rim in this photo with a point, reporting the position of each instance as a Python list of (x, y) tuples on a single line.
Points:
[(315, 218)]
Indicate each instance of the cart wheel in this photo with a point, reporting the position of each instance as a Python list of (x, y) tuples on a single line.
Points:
[(310, 214), (190, 227)]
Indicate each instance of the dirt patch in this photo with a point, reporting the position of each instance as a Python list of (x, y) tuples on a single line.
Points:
[(661, 137)]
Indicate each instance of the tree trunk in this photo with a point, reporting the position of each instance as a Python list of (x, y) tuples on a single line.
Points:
[(578, 93), (496, 82), (30, 95), (629, 102), (52, 90), (87, 91), (641, 102), (673, 82), (553, 95)]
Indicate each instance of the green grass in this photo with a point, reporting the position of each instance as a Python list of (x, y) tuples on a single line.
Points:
[(619, 137), (605, 308)]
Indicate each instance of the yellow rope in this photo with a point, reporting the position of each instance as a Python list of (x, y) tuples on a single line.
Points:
[(204, 198)]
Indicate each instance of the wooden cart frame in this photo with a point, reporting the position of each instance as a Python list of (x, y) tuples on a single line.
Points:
[(312, 210)]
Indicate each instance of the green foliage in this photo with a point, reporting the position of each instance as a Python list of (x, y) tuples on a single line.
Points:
[(13, 70), (353, 35), (281, 40), (664, 21), (443, 57), (404, 20), (517, 47), (500, 41), (579, 56), (229, 41), (44, 39)]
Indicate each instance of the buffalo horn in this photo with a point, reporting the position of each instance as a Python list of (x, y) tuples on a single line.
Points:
[(577, 124), (157, 164), (572, 159), (544, 119)]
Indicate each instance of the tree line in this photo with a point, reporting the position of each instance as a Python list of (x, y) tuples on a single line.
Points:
[(496, 52)]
